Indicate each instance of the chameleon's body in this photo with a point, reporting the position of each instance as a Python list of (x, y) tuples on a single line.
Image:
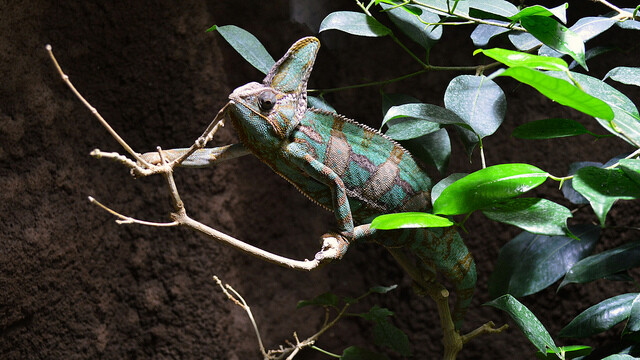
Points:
[(348, 168)]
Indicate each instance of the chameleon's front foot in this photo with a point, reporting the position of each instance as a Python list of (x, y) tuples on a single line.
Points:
[(334, 246)]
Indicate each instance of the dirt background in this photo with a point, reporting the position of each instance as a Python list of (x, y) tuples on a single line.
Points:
[(73, 284)]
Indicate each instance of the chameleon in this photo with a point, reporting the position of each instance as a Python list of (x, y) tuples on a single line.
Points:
[(348, 168)]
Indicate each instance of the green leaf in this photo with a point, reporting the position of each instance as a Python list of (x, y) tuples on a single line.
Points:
[(501, 8), (354, 23), (602, 187), (600, 317), (483, 33), (326, 299), (535, 10), (478, 101), (410, 128), (627, 24), (625, 75), (434, 149), (633, 324), (409, 220), (549, 129), (604, 264), (556, 36), (247, 45), (442, 184), (376, 314), (586, 28), (530, 263), (561, 91), (357, 353), (523, 41), (382, 289), (428, 112), (567, 187), (631, 168), (526, 321), (516, 58), (569, 351), (414, 24), (537, 216), (488, 186), (391, 100), (386, 334), (592, 53)]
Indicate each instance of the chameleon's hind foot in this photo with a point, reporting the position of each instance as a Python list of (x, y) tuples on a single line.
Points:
[(334, 246)]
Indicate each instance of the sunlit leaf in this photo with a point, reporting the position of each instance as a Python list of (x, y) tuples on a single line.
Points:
[(537, 216), (603, 264), (442, 184), (586, 28), (549, 129), (631, 168), (530, 263), (517, 58), (409, 220), (569, 352), (600, 317), (526, 321), (556, 36), (354, 23), (625, 75), (247, 46), (488, 186)]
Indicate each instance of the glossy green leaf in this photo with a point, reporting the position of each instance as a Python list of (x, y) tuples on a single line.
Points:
[(434, 149), (483, 33), (556, 36), (498, 7), (488, 186), (429, 112), (549, 129), (567, 187), (478, 101), (326, 299), (535, 10), (625, 75), (561, 91), (357, 353), (516, 58), (537, 216), (410, 128), (586, 28), (626, 120), (442, 184), (409, 220), (602, 187), (604, 264), (247, 45), (569, 351), (600, 317), (413, 24), (530, 263), (354, 23), (631, 168), (526, 321), (633, 324)]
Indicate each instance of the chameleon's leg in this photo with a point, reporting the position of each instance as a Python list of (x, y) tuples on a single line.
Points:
[(201, 157)]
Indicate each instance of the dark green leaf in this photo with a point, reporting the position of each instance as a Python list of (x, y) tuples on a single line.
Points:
[(409, 220), (478, 101), (602, 187), (537, 216), (354, 23), (483, 33), (319, 103), (556, 36), (600, 317), (530, 263), (433, 149), (569, 351), (567, 187), (445, 7), (593, 52), (391, 100), (488, 186), (604, 264), (633, 325), (386, 334), (382, 289), (625, 75), (442, 184), (549, 129), (410, 128), (414, 26), (631, 168), (498, 7), (423, 111), (516, 58), (526, 321), (247, 46), (561, 91), (357, 353), (377, 314), (326, 299)]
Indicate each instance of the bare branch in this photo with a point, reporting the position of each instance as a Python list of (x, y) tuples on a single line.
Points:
[(123, 219)]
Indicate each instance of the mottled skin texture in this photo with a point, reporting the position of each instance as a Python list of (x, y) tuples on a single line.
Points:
[(348, 168)]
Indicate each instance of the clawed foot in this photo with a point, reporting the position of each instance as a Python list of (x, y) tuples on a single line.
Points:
[(334, 246)]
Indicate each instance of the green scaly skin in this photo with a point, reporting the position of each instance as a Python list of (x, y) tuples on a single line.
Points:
[(348, 168)]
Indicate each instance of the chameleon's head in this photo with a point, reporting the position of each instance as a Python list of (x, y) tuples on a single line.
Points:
[(271, 110)]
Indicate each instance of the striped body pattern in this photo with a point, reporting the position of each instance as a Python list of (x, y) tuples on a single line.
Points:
[(348, 168)]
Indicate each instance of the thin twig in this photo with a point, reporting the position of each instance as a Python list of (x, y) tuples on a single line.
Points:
[(123, 219)]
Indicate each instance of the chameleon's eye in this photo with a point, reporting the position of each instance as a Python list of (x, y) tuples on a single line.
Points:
[(266, 100)]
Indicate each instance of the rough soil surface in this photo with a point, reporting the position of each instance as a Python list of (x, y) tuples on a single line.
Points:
[(73, 284)]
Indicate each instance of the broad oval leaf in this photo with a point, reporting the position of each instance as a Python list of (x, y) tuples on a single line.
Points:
[(530, 263), (478, 101), (600, 317), (625, 75), (483, 33), (535, 10), (516, 58), (633, 324), (414, 24), (501, 8), (586, 28), (409, 220), (631, 168), (526, 321), (602, 187), (424, 111), (247, 45), (410, 128), (627, 24), (523, 41), (561, 91), (549, 129), (433, 149), (354, 23), (488, 186), (603, 264), (442, 184), (556, 36), (537, 216)]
